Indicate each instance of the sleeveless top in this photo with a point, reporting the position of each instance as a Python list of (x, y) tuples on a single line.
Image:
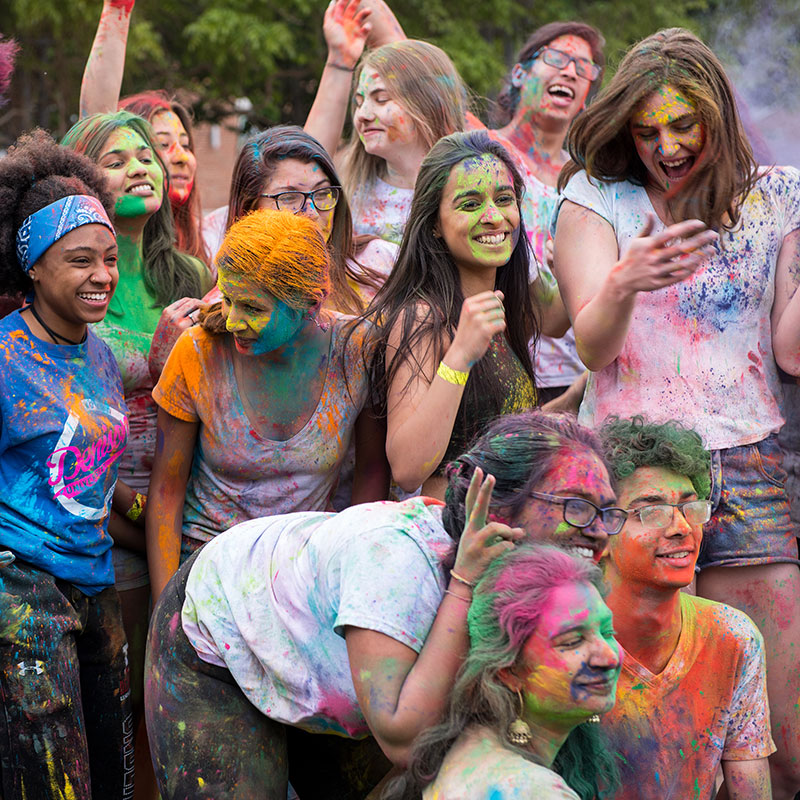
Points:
[(477, 411)]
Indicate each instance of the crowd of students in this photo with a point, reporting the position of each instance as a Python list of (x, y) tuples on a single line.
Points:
[(441, 463)]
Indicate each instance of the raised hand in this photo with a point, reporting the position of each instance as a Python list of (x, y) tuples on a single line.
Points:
[(346, 28), (654, 261), (481, 541), (482, 317)]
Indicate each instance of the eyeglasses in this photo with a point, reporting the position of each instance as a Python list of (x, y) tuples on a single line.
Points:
[(582, 513), (323, 199), (561, 60), (660, 515)]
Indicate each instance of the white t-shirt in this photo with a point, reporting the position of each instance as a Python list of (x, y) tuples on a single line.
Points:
[(479, 767), (699, 351), (270, 599), (381, 209)]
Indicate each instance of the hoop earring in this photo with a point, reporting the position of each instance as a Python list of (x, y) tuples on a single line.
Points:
[(519, 732)]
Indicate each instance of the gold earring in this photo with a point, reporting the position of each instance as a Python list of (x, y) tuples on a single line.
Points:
[(594, 719), (519, 732)]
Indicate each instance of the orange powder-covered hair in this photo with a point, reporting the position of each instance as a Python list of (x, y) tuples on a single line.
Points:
[(283, 252)]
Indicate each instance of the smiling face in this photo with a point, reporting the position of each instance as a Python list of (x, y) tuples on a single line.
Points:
[(259, 322), (668, 136), (382, 123), (173, 141), (75, 279), (134, 175), (291, 174), (478, 214), (575, 473), (569, 666), (663, 557), (556, 92)]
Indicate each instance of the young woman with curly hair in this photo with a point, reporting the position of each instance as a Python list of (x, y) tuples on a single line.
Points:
[(66, 718), (678, 259)]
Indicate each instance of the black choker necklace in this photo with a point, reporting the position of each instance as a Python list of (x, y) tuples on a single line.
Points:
[(53, 335)]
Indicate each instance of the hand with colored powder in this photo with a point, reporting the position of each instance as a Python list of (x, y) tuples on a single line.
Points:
[(482, 540), (654, 261), (346, 28)]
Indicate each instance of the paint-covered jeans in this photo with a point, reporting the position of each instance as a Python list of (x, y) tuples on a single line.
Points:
[(750, 523), (66, 729), (209, 742)]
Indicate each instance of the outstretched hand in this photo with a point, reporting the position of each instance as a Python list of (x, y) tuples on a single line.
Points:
[(654, 261), (346, 28), (481, 541)]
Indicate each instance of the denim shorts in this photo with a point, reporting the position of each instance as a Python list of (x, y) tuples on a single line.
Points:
[(750, 522)]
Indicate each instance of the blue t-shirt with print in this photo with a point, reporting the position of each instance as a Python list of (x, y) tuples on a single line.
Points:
[(63, 428)]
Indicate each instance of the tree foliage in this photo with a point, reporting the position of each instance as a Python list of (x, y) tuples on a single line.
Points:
[(214, 51)]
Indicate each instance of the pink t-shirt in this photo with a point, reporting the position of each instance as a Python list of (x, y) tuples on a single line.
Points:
[(670, 731), (699, 351), (236, 473)]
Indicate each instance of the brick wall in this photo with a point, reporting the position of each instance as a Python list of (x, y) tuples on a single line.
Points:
[(216, 149)]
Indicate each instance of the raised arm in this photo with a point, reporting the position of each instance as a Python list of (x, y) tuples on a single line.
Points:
[(599, 285), (402, 693), (422, 406), (346, 28), (164, 516), (786, 306), (102, 78)]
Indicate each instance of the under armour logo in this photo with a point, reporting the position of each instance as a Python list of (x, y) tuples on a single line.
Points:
[(31, 666)]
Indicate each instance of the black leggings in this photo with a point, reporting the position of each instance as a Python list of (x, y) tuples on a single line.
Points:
[(65, 723), (208, 741)]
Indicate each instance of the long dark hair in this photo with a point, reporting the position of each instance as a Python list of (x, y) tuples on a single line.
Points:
[(600, 141), (508, 99), (169, 274), (423, 294), (256, 163), (189, 214), (506, 609)]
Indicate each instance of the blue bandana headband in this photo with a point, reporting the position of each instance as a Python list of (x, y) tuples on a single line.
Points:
[(43, 229)]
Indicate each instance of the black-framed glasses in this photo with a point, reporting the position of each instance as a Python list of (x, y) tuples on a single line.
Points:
[(561, 60), (660, 515), (323, 199), (581, 513)]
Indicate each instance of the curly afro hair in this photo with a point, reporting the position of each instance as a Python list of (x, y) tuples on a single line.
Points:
[(635, 442), (37, 172)]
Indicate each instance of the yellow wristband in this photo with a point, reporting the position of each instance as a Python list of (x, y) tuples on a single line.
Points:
[(452, 375), (135, 511)]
